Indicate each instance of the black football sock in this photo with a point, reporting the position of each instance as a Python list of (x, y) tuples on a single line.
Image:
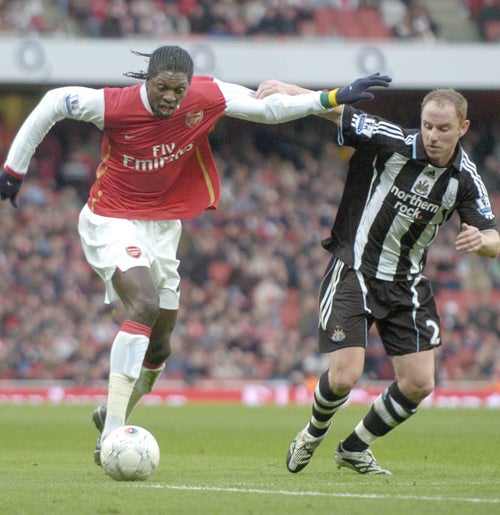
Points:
[(390, 409), (325, 404)]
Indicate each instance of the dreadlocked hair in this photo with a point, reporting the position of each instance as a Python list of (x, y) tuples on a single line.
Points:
[(165, 58)]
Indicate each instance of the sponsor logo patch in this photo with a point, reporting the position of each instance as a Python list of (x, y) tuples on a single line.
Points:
[(194, 118), (413, 205), (365, 126), (484, 207), (134, 252), (73, 105), (422, 188), (338, 335)]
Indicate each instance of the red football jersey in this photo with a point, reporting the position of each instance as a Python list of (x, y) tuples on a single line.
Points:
[(154, 169)]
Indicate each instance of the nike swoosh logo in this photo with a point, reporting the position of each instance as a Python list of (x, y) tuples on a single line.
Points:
[(10, 183), (129, 136)]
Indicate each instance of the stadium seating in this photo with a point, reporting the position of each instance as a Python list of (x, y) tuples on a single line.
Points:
[(358, 24)]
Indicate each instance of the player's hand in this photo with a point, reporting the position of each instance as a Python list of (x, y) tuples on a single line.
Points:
[(272, 86), (357, 90), (9, 187), (469, 239)]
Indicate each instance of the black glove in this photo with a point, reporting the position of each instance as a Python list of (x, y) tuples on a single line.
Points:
[(357, 90), (9, 187)]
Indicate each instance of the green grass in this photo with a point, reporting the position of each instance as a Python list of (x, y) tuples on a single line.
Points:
[(229, 459)]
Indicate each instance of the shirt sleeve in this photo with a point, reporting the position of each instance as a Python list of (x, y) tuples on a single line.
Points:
[(476, 209), (77, 103), (278, 108)]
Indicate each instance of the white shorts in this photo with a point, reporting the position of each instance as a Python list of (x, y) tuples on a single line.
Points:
[(118, 243)]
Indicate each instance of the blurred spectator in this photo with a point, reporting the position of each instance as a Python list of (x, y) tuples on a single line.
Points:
[(488, 19), (421, 24), (174, 21), (395, 16), (200, 19), (409, 19), (473, 7)]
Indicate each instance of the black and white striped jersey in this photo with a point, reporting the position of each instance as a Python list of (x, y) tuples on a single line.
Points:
[(394, 200)]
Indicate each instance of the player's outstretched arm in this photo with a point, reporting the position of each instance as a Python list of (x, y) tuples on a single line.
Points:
[(272, 86), (75, 102), (354, 92), (350, 94), (281, 102)]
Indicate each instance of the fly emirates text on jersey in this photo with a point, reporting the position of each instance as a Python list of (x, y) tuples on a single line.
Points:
[(161, 155)]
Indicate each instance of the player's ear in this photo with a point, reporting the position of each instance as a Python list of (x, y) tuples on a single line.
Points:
[(464, 127)]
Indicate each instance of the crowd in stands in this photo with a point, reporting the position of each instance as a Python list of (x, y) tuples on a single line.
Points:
[(222, 18), (250, 270)]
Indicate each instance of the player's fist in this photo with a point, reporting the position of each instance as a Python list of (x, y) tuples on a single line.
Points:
[(9, 187), (357, 90)]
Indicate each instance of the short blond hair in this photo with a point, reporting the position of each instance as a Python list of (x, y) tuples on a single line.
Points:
[(448, 96)]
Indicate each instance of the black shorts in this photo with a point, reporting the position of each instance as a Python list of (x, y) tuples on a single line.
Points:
[(404, 312)]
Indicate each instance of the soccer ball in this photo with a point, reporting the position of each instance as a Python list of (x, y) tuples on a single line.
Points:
[(130, 453)]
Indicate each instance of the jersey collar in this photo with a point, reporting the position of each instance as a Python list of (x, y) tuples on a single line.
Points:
[(145, 99)]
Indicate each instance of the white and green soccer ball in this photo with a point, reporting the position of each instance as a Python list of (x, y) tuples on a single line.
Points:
[(130, 453)]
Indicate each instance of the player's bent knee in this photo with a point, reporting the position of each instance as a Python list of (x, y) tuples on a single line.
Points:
[(426, 390), (417, 391), (144, 310), (160, 356), (158, 351), (343, 384)]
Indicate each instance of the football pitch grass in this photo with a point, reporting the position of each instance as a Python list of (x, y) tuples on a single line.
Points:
[(230, 459)]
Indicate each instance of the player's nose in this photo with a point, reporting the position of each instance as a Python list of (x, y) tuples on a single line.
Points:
[(169, 95)]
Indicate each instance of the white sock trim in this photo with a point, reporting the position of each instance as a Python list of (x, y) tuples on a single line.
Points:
[(127, 354)]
